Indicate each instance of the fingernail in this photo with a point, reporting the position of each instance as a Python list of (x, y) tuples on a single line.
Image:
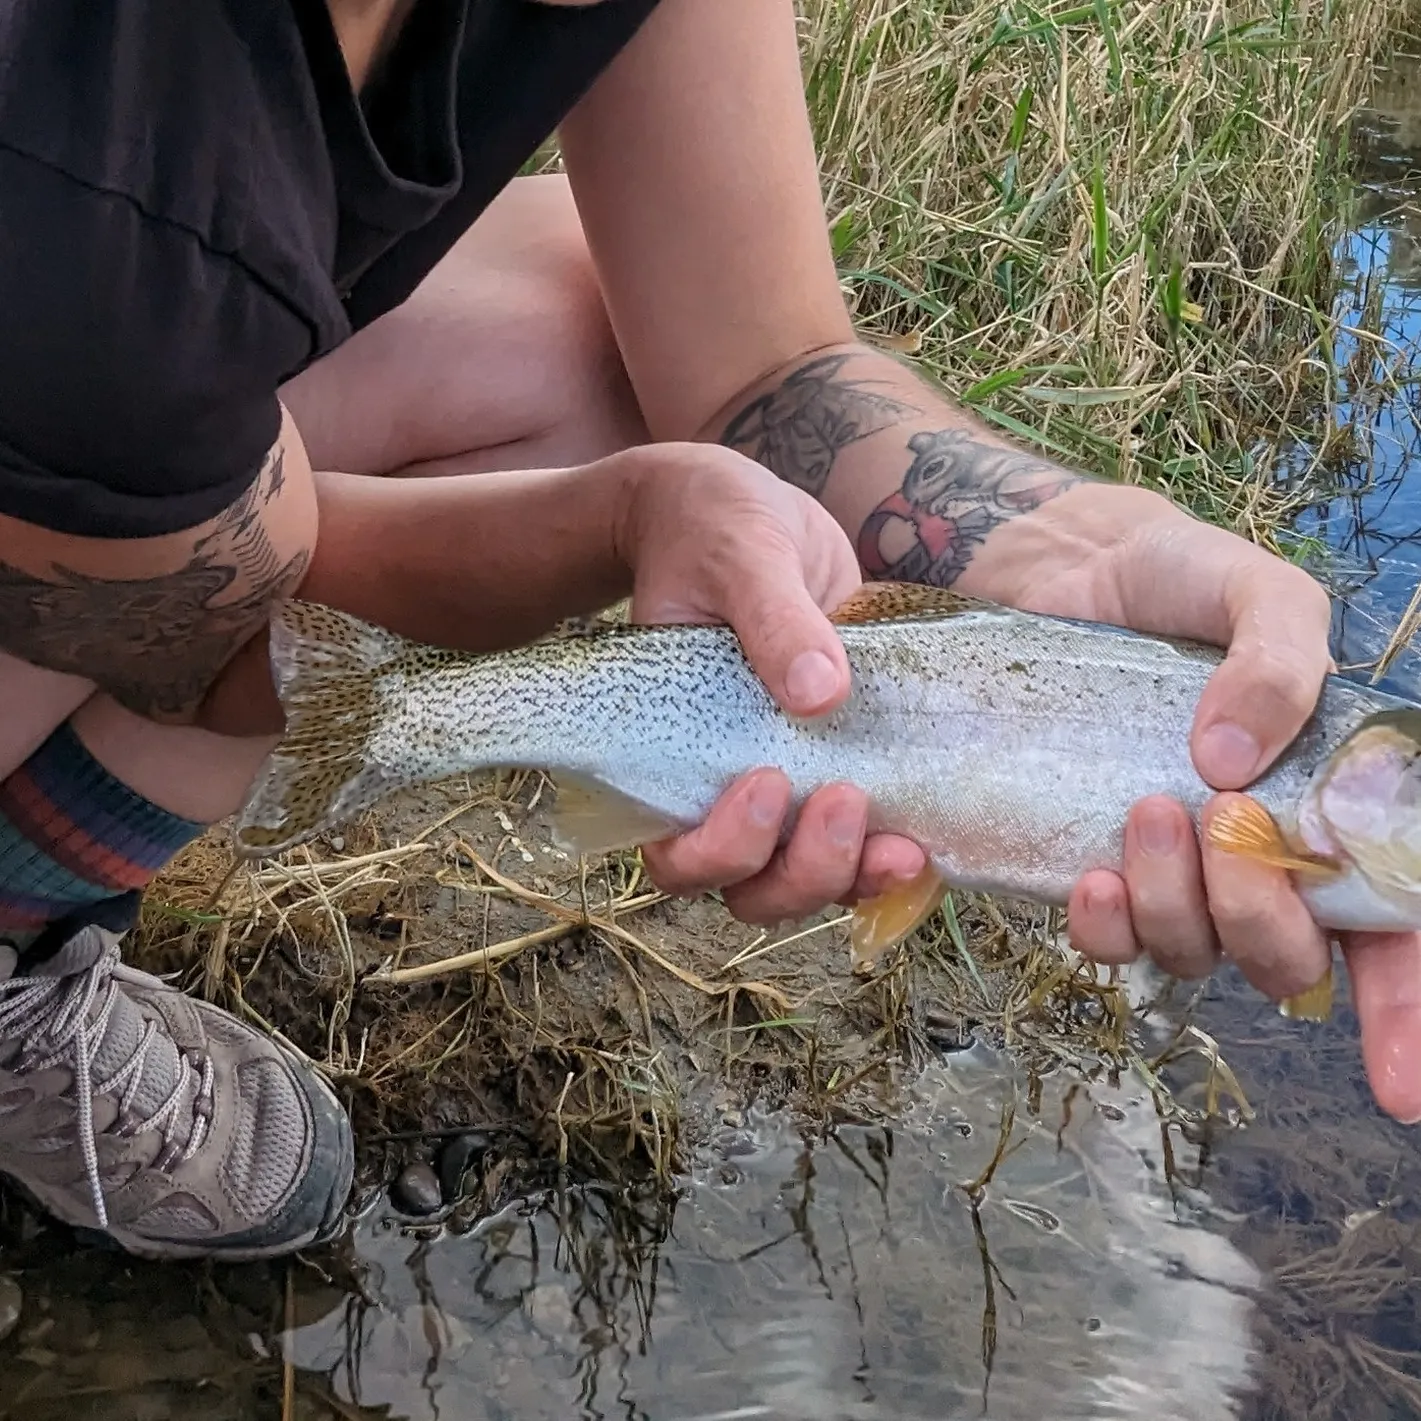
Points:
[(1230, 754), (811, 680), (766, 802), (1097, 900), (844, 826), (1157, 831)]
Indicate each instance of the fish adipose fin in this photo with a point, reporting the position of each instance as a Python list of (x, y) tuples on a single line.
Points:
[(1245, 828), (590, 817), (327, 668), (888, 601), (883, 922)]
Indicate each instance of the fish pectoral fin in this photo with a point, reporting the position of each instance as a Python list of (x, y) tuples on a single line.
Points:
[(883, 922), (1315, 1004), (887, 601), (1247, 829), (591, 817)]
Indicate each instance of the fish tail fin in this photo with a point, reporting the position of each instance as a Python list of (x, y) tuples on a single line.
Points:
[(331, 674)]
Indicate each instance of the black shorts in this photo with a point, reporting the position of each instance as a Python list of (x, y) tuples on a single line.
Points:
[(194, 206)]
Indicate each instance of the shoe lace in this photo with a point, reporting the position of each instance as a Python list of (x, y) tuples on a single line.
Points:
[(61, 1021)]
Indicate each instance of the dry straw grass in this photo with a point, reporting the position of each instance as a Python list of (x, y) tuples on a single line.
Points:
[(1107, 225), (450, 971)]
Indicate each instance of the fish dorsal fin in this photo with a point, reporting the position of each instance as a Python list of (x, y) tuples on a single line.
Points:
[(890, 601), (591, 817), (883, 922), (1246, 828)]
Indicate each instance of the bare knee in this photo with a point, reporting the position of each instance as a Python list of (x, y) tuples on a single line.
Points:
[(574, 395), (503, 357)]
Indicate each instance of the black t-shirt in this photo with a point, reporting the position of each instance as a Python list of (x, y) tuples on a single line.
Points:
[(194, 206)]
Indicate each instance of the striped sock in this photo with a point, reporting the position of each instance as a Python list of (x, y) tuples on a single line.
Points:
[(76, 844)]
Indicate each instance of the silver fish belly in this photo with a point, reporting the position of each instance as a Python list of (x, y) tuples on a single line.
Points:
[(1011, 747)]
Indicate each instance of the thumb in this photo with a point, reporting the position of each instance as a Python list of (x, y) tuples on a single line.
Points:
[(787, 639), (1268, 684)]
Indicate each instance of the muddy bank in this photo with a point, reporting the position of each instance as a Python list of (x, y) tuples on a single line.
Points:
[(452, 971)]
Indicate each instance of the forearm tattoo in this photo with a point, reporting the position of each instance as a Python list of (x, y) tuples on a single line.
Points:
[(156, 644), (960, 484), (958, 488), (799, 428)]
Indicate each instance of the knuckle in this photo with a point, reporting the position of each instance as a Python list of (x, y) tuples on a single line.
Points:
[(1304, 592), (1186, 962), (1285, 679), (1289, 975), (1100, 927), (1161, 909), (1174, 927), (661, 867), (813, 879), (691, 865), (779, 623), (1149, 505), (1270, 968), (1245, 914), (758, 905)]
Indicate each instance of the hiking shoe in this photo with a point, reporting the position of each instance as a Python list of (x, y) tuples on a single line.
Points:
[(169, 1127)]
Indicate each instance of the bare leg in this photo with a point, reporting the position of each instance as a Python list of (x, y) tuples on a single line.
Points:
[(503, 359)]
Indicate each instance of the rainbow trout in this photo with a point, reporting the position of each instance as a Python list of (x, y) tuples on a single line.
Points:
[(1009, 745)]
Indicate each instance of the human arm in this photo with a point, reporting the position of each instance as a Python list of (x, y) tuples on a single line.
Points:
[(172, 628), (155, 622), (492, 560), (694, 170)]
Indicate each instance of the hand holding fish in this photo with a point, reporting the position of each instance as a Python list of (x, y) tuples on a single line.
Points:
[(1103, 553), (747, 550), (1131, 558), (929, 738)]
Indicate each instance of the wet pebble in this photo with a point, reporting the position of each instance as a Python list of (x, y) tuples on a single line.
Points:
[(456, 1158), (417, 1190), (11, 1303)]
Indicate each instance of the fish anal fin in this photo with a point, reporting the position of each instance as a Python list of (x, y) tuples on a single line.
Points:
[(887, 601), (883, 922), (1315, 1004), (1245, 828), (591, 817)]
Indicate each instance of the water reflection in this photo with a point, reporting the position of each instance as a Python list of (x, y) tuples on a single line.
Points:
[(852, 1278), (1375, 523)]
